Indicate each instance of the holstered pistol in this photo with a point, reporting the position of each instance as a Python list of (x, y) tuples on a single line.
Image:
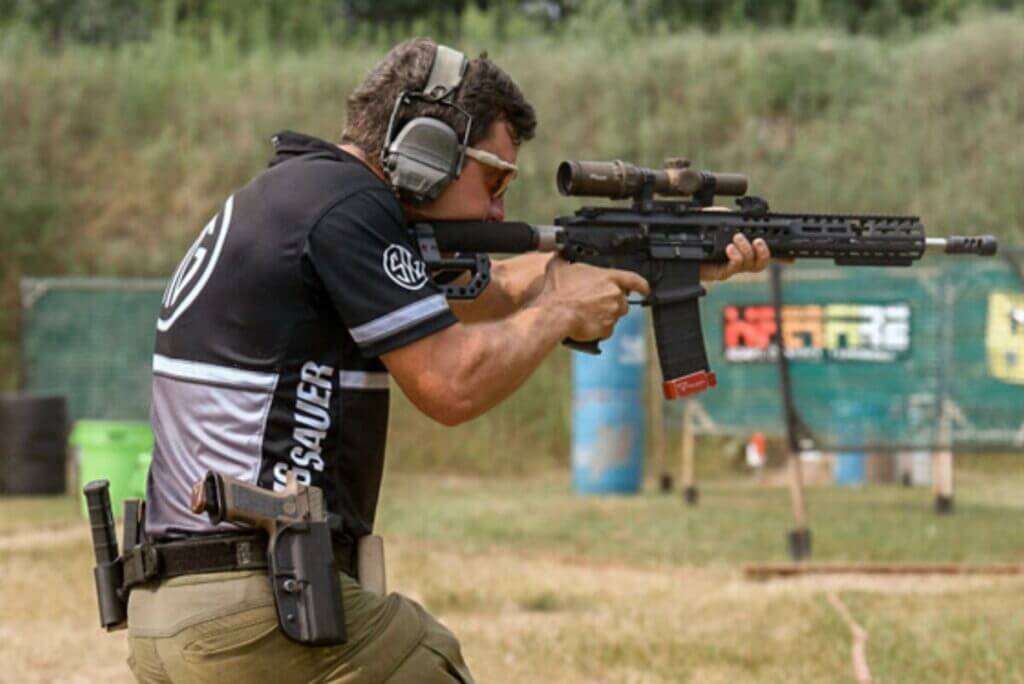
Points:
[(303, 573)]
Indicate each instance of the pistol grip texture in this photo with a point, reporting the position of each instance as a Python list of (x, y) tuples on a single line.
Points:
[(250, 504)]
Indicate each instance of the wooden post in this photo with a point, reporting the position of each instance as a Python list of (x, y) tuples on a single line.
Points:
[(690, 492), (942, 463), (942, 460), (942, 480), (796, 490), (655, 405), (800, 536), (943, 471)]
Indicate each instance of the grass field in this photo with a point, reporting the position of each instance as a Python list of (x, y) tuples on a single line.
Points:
[(544, 586)]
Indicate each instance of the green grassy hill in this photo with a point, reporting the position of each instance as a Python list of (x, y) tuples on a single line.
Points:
[(115, 157)]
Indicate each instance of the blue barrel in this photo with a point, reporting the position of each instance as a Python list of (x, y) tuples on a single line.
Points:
[(855, 420), (608, 412), (850, 470)]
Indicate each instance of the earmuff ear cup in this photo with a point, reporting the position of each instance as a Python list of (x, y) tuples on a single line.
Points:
[(423, 159), (426, 155)]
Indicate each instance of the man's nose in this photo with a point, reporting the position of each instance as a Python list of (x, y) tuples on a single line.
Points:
[(496, 212)]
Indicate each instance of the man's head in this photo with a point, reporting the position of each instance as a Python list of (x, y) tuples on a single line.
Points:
[(502, 120)]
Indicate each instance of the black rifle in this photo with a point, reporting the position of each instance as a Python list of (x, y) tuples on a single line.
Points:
[(666, 242)]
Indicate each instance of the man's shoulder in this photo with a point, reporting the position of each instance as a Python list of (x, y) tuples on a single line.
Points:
[(323, 181), (329, 180)]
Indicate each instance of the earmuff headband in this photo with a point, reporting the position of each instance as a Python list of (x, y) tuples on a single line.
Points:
[(425, 156), (446, 73)]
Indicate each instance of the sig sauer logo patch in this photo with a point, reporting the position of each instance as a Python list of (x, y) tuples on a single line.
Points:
[(404, 268), (195, 269)]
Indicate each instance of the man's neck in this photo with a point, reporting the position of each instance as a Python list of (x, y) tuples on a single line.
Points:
[(408, 210), (359, 154)]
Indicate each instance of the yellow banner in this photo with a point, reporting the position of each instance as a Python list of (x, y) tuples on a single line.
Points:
[(1004, 336)]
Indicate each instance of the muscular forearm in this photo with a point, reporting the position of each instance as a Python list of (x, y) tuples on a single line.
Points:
[(461, 371), (471, 368), (515, 282)]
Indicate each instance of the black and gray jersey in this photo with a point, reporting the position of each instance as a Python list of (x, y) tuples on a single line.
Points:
[(269, 336)]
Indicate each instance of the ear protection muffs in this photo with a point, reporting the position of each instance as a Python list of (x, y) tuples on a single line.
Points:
[(426, 155)]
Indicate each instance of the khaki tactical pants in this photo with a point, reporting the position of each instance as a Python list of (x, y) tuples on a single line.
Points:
[(221, 627)]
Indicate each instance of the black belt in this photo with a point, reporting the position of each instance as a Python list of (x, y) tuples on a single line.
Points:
[(222, 553)]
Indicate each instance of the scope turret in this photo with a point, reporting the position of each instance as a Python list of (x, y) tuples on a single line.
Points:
[(620, 180)]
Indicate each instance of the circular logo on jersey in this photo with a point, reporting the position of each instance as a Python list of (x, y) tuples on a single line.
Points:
[(195, 269), (404, 268)]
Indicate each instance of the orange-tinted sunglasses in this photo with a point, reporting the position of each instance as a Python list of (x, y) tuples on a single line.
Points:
[(495, 162)]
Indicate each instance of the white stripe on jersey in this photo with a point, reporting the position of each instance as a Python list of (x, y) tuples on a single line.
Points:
[(363, 380), (399, 320), (208, 372), (173, 287)]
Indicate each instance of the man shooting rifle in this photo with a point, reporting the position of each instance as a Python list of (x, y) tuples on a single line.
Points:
[(276, 340)]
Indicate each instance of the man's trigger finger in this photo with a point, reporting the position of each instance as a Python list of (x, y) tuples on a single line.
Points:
[(631, 282)]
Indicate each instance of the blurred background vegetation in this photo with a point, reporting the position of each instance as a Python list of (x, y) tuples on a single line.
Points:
[(313, 22), (127, 122)]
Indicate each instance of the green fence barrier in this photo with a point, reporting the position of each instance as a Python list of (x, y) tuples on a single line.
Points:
[(92, 341), (942, 339), (911, 346)]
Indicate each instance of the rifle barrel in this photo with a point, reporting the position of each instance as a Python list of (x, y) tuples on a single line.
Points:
[(982, 245)]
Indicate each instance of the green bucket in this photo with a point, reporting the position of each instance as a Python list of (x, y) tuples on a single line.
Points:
[(110, 450), (141, 474)]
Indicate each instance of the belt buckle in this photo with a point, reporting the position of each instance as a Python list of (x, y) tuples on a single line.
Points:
[(245, 556)]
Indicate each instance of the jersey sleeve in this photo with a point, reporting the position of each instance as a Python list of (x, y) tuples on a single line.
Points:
[(374, 275)]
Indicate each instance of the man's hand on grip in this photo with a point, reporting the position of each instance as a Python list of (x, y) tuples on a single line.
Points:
[(593, 298)]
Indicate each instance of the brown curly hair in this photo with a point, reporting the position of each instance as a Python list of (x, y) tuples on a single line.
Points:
[(486, 92)]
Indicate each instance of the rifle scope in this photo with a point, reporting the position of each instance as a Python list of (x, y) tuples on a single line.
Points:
[(621, 180)]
